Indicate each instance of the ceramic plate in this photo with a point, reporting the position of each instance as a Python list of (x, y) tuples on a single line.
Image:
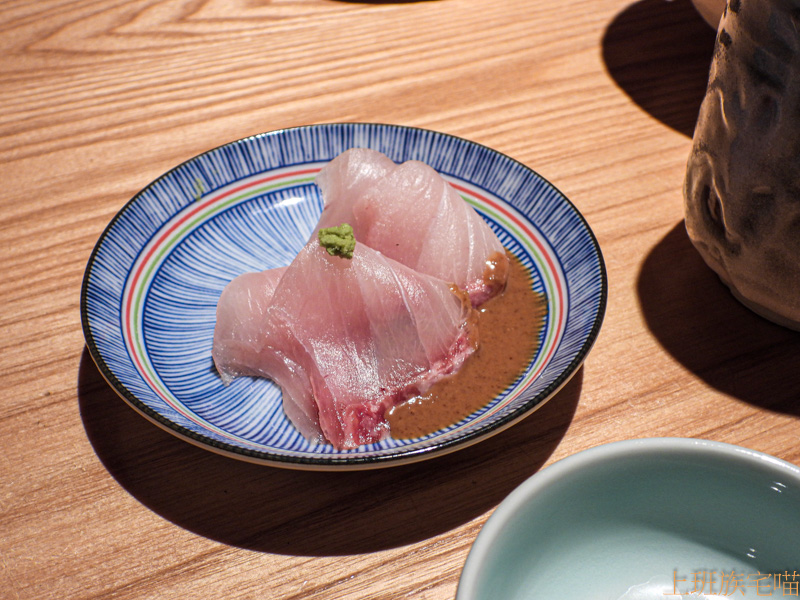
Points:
[(152, 283)]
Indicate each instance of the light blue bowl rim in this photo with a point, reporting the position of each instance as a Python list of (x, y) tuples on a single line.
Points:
[(571, 465)]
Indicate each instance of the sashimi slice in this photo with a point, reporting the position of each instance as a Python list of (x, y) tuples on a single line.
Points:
[(354, 172), (244, 341), (409, 213), (241, 309), (367, 333)]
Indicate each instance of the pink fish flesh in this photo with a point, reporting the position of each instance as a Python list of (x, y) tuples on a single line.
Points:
[(409, 213), (344, 339)]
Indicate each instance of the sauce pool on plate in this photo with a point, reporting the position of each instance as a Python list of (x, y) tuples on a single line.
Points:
[(508, 326)]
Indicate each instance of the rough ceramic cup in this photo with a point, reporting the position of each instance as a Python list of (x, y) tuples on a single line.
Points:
[(642, 519), (742, 189)]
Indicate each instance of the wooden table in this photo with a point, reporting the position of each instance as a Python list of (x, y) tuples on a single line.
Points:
[(99, 97)]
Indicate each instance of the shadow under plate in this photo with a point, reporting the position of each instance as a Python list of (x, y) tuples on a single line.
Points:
[(313, 513)]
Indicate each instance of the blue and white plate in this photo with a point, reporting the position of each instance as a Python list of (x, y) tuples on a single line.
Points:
[(151, 286)]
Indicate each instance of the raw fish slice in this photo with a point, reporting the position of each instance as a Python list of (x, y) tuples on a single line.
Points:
[(373, 332), (241, 308), (432, 229), (408, 212), (367, 332), (349, 175), (243, 344)]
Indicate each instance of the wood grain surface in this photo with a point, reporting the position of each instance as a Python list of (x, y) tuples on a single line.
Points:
[(99, 97)]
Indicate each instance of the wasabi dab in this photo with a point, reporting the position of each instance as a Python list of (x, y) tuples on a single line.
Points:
[(338, 241)]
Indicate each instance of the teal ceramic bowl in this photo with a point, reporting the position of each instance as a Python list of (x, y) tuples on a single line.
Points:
[(644, 519)]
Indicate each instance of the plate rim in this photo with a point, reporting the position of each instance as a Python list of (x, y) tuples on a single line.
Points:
[(354, 461)]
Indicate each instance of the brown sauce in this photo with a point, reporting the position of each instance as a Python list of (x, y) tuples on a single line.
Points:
[(508, 327)]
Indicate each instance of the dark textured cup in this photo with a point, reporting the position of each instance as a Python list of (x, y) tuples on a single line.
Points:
[(742, 188)]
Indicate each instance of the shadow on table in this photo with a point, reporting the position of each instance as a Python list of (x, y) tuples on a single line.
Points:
[(696, 318), (659, 52), (313, 513)]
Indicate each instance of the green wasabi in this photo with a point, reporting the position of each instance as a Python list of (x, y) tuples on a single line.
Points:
[(338, 241)]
